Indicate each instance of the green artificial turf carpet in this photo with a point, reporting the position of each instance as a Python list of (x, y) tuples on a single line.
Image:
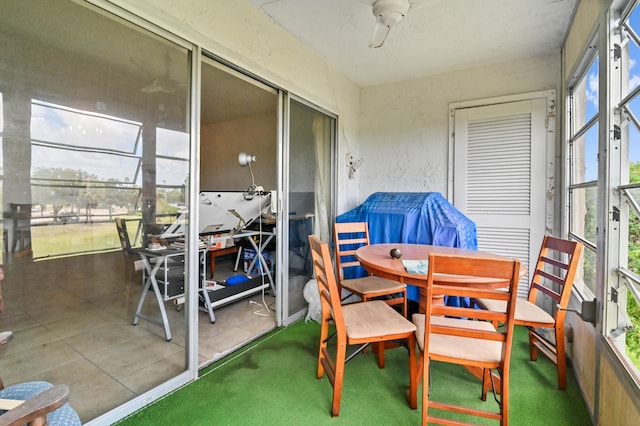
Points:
[(273, 381)]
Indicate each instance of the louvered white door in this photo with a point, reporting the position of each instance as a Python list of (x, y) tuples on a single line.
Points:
[(499, 176)]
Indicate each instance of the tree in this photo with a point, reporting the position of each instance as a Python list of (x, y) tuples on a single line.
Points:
[(633, 311)]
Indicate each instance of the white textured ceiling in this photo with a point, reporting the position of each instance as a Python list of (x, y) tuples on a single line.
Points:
[(436, 36)]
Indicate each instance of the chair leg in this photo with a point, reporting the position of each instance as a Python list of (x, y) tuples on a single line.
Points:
[(404, 303), (379, 348), (486, 382), (338, 378), (504, 399), (324, 337), (413, 380), (533, 352), (425, 392), (561, 360), (413, 390)]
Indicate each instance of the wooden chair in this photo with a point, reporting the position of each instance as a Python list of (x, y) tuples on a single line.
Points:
[(355, 324), (22, 231), (123, 235), (553, 277), (466, 336), (34, 403), (130, 253), (348, 238)]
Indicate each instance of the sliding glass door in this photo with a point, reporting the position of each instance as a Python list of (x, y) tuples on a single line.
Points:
[(308, 206), (94, 127)]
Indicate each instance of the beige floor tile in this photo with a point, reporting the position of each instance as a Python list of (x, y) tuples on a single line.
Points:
[(79, 331), (154, 374), (30, 363), (100, 400)]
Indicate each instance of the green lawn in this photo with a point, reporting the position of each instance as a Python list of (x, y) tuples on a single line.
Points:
[(57, 239)]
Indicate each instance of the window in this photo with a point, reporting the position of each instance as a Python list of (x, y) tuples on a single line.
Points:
[(90, 133), (625, 295), (85, 168), (583, 170)]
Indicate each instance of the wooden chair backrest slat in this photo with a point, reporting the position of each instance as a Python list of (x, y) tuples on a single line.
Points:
[(327, 285), (557, 264), (504, 269), (348, 237)]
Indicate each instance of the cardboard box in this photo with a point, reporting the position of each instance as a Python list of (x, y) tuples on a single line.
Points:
[(250, 254), (221, 241)]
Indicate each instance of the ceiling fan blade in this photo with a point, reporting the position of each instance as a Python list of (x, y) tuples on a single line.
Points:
[(379, 35), (161, 84)]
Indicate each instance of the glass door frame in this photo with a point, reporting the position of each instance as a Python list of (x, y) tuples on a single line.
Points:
[(283, 316)]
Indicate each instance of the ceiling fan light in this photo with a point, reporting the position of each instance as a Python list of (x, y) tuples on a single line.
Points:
[(390, 12)]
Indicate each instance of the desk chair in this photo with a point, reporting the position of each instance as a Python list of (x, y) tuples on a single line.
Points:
[(22, 232), (130, 253), (355, 324), (34, 403), (467, 336), (553, 277), (348, 238)]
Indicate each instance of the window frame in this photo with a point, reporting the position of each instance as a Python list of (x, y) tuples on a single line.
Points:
[(574, 133)]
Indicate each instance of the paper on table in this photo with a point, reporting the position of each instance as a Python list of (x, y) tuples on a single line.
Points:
[(416, 266)]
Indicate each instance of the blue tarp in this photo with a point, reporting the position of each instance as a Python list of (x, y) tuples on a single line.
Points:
[(415, 218)]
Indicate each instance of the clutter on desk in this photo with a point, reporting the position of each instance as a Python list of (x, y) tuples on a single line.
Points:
[(180, 244), (220, 241), (212, 285)]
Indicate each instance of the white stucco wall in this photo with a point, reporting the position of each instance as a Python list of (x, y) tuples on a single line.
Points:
[(404, 126)]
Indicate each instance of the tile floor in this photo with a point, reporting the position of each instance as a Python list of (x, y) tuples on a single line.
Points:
[(71, 320)]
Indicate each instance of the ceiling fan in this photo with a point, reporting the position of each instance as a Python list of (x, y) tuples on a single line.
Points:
[(163, 83), (389, 13)]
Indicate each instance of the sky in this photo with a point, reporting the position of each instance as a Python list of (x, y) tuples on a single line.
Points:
[(114, 143)]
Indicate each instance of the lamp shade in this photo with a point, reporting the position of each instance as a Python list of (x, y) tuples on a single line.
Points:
[(244, 159)]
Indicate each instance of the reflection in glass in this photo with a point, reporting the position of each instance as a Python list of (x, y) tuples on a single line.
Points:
[(87, 138), (633, 50), (311, 136), (584, 153), (588, 270), (585, 98), (584, 213)]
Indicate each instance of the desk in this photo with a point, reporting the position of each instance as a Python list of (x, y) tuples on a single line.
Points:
[(265, 239), (165, 268), (215, 298)]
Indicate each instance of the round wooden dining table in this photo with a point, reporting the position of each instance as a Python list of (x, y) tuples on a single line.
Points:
[(376, 259)]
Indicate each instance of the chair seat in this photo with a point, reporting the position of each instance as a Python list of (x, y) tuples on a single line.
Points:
[(526, 312), (464, 348), (63, 416), (374, 318), (372, 285)]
